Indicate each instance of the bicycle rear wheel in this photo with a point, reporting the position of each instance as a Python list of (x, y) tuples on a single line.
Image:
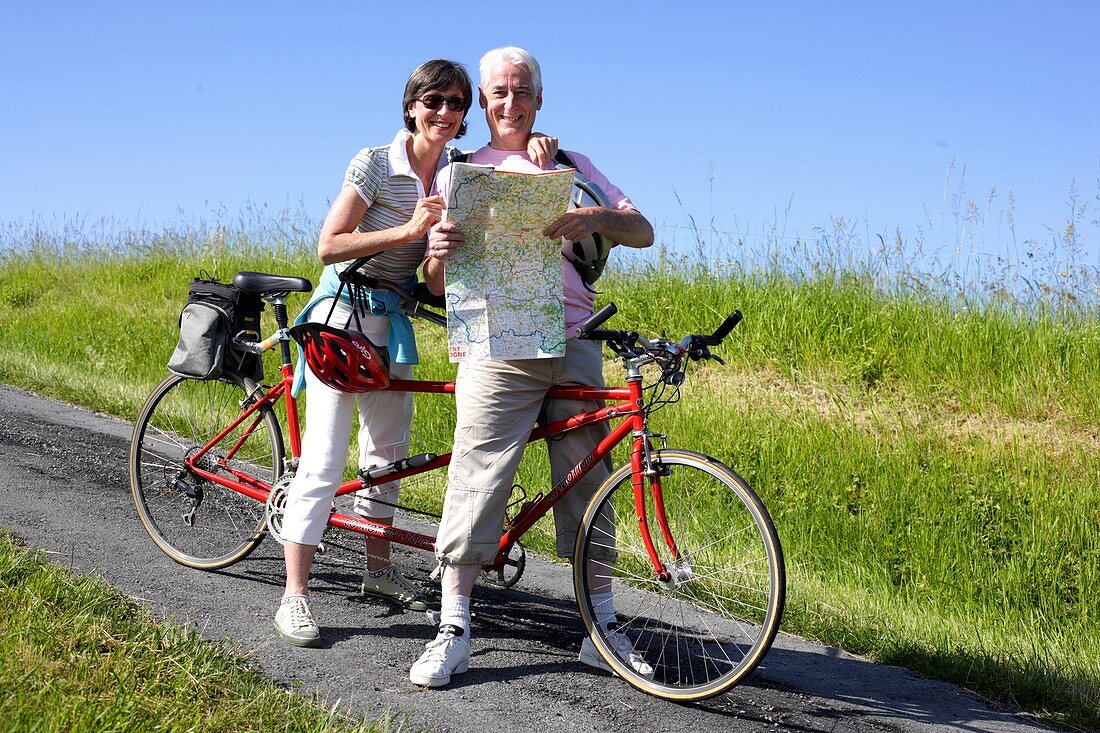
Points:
[(705, 627), (195, 521)]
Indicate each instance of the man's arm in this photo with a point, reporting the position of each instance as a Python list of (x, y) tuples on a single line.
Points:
[(624, 226)]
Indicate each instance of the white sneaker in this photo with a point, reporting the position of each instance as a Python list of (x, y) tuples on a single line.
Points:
[(393, 587), (623, 649), (295, 623), (448, 653)]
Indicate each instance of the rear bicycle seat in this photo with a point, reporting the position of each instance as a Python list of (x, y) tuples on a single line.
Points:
[(258, 283)]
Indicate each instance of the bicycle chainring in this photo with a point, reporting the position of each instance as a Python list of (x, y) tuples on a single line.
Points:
[(276, 505), (509, 572)]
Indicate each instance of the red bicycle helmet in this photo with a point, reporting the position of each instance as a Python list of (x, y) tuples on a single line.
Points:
[(344, 360)]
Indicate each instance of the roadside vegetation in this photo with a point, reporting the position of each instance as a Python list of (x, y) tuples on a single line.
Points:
[(929, 448), (79, 656)]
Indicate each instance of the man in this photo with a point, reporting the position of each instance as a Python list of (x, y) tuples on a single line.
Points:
[(498, 402)]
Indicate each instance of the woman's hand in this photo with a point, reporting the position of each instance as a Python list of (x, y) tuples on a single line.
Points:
[(428, 211), (542, 149), (443, 240)]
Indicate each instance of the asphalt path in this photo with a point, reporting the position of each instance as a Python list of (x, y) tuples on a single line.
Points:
[(64, 487)]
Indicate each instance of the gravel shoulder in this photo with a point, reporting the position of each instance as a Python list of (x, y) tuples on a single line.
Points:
[(65, 489)]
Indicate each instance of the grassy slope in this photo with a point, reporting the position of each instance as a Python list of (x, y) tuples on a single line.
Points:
[(78, 656), (932, 470)]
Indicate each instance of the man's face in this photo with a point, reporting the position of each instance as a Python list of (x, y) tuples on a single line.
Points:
[(510, 102)]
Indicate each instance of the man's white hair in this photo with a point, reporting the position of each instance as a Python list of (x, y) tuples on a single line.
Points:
[(514, 55)]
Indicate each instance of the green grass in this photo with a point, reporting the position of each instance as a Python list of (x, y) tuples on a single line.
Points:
[(79, 656), (931, 462)]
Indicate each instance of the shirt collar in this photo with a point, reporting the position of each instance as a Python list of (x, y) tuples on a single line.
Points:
[(399, 156)]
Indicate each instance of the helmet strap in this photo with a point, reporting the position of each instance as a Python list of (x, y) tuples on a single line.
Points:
[(335, 300), (354, 296)]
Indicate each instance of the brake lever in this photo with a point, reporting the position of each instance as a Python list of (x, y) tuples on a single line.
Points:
[(700, 353)]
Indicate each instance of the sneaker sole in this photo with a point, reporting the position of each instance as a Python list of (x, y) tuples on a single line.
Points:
[(308, 642), (595, 660), (438, 681)]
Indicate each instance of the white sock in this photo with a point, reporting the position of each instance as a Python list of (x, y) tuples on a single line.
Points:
[(379, 573), (456, 611), (289, 598), (603, 605)]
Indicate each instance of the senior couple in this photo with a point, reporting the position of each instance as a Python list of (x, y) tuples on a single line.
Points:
[(390, 210)]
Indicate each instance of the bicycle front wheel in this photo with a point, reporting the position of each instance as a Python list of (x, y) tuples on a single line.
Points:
[(703, 624), (195, 521)]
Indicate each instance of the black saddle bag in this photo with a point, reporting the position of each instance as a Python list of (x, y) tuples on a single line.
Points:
[(214, 314)]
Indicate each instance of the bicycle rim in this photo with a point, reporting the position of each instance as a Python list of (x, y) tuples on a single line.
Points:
[(706, 627), (195, 521)]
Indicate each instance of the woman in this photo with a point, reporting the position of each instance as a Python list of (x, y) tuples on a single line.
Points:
[(383, 212)]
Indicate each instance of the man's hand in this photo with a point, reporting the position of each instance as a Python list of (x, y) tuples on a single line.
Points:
[(428, 211), (542, 149), (577, 224), (621, 226), (443, 239)]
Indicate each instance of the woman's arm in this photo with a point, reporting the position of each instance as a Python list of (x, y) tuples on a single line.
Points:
[(339, 240), (542, 149)]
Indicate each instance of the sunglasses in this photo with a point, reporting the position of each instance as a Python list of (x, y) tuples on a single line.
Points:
[(435, 101)]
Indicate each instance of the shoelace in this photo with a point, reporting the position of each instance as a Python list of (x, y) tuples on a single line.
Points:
[(394, 576), (620, 642), (404, 583), (437, 647), (299, 614)]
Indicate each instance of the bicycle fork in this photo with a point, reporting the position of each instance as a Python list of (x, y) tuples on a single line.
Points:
[(646, 468)]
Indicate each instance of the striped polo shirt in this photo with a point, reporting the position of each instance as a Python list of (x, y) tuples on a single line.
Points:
[(385, 181)]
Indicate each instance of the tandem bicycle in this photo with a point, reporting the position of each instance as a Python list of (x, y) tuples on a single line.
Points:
[(697, 574)]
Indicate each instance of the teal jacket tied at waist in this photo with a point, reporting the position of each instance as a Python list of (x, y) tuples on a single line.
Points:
[(402, 341)]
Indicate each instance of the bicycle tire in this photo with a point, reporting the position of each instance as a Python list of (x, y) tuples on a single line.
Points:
[(706, 628), (179, 417)]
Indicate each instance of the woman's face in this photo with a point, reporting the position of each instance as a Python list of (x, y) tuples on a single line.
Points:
[(440, 124)]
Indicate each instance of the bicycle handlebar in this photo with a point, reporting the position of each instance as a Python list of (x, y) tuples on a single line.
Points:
[(585, 330), (625, 343), (722, 331)]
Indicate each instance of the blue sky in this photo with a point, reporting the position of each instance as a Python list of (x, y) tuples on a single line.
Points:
[(737, 114)]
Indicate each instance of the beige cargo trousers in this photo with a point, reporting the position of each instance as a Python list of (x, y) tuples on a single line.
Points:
[(498, 404)]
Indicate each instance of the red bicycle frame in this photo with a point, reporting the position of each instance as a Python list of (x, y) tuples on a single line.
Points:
[(626, 403)]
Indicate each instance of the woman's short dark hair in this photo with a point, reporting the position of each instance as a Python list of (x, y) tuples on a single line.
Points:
[(436, 74)]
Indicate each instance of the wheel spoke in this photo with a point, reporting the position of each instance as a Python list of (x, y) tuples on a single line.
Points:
[(180, 417)]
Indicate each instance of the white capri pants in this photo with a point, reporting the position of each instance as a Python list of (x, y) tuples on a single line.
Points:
[(384, 420)]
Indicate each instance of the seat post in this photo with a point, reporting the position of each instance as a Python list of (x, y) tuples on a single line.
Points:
[(278, 303)]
